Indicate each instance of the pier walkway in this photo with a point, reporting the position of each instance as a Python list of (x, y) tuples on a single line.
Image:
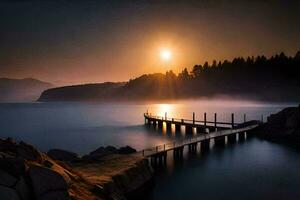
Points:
[(207, 130)]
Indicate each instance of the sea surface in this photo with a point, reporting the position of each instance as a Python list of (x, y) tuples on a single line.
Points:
[(83, 127), (253, 169)]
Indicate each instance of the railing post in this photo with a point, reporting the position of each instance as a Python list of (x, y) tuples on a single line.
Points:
[(244, 118), (165, 115), (232, 120), (143, 152), (193, 118), (164, 147), (204, 120), (215, 120)]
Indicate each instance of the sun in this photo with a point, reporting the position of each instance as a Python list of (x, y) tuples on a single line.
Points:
[(165, 54)]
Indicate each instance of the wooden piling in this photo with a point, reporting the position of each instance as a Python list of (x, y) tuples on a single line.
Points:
[(231, 138), (177, 127), (215, 121), (160, 124), (204, 120), (241, 136), (188, 129), (169, 126), (220, 141), (232, 120), (193, 118), (205, 145)]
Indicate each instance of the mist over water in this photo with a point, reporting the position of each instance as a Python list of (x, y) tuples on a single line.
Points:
[(83, 127)]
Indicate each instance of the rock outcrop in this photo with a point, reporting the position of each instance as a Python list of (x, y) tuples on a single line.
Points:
[(26, 174), (117, 175), (48, 184), (126, 150), (102, 152), (283, 125), (62, 155)]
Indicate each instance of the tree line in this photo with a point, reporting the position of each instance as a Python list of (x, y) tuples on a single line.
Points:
[(274, 78), (270, 79)]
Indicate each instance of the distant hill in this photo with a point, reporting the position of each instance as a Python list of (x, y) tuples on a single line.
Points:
[(21, 90), (86, 92), (270, 79)]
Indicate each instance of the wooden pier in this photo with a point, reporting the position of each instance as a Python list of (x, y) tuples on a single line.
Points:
[(206, 131)]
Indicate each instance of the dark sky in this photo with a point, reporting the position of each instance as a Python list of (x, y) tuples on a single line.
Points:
[(68, 42)]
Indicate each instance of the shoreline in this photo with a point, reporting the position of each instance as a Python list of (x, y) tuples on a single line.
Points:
[(97, 176)]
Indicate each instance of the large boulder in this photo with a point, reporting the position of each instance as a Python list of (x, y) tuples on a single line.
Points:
[(55, 195), (293, 121), (8, 145), (28, 152), (48, 184), (7, 193), (126, 150), (14, 166), (99, 153), (62, 155), (284, 124), (23, 189), (7, 179), (102, 151)]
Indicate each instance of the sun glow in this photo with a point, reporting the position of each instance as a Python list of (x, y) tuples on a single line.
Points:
[(164, 108), (165, 54)]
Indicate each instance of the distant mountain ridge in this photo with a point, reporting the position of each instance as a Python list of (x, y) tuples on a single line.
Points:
[(21, 90)]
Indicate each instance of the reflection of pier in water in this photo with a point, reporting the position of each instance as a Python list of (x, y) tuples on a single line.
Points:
[(205, 131)]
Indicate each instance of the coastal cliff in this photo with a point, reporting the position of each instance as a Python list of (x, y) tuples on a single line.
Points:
[(26, 173)]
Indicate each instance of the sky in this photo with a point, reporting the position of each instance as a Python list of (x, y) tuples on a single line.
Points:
[(73, 42)]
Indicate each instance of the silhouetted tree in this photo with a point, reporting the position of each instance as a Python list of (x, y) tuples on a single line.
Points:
[(184, 75), (197, 70)]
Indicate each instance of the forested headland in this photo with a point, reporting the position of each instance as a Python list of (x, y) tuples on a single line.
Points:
[(276, 78)]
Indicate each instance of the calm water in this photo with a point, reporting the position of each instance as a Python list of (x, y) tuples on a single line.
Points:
[(83, 127), (254, 169)]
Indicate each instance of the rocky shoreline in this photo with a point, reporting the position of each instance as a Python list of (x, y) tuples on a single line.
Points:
[(106, 173)]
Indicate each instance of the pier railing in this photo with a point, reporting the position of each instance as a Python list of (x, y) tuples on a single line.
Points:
[(219, 129), (195, 122), (183, 142), (201, 122)]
